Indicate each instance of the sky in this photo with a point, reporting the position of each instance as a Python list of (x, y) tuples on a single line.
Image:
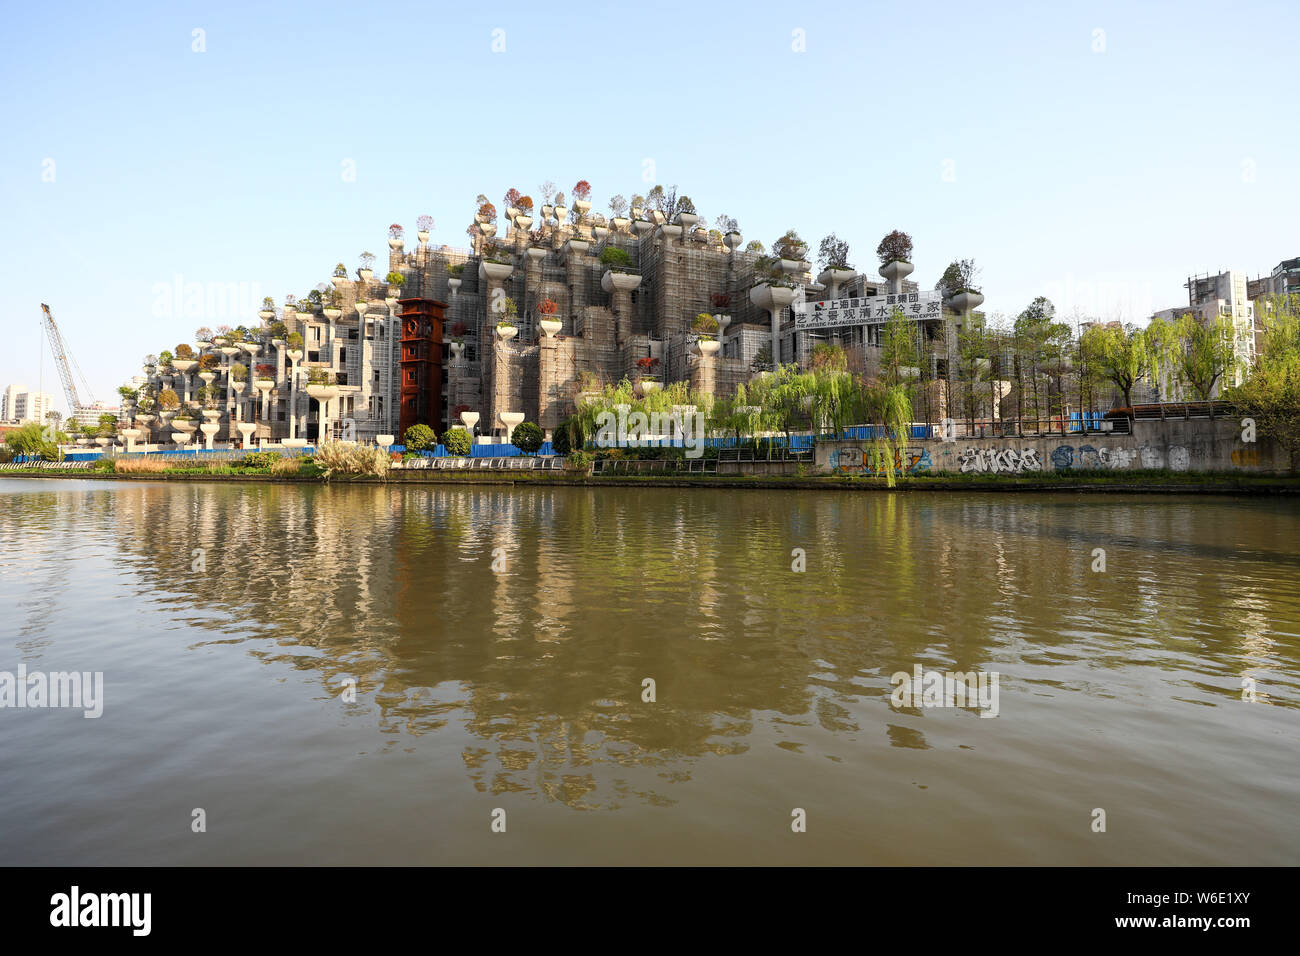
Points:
[(1097, 153)]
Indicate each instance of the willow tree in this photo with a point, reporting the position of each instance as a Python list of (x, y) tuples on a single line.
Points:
[(1207, 353), (1126, 355), (1271, 394)]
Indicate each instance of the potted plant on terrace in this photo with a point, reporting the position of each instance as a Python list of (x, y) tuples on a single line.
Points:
[(423, 225), (705, 327), (649, 380), (833, 257), (340, 275), (395, 233), (367, 268), (203, 335), (582, 197), (268, 309), (506, 328), (895, 254), (618, 206), (791, 253), (395, 282), (265, 376), (549, 323), (958, 285)]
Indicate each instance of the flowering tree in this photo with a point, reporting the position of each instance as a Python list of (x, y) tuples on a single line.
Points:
[(582, 190), (512, 197), (395, 231), (895, 247), (424, 223), (547, 307)]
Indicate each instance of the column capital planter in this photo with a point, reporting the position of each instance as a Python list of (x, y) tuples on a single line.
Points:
[(383, 441), (687, 219), (454, 284), (207, 377), (896, 271), (771, 297), (621, 281), (732, 240), (184, 425), (497, 271), (423, 236), (551, 326), (212, 414), (488, 229), (263, 384), (396, 243), (506, 332), (469, 419), (523, 223), (237, 387), (963, 302), (600, 232), (834, 278), (582, 205), (642, 226), (184, 365), (708, 347), (619, 222), (510, 420), (294, 442), (647, 385), (671, 232), (332, 314), (293, 355), (536, 253), (577, 247), (229, 350), (252, 348), (323, 393), (561, 214), (180, 438)]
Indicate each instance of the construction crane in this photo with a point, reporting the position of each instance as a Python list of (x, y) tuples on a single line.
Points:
[(65, 363)]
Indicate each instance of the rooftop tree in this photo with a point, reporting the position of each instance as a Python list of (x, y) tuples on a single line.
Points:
[(895, 247), (833, 253)]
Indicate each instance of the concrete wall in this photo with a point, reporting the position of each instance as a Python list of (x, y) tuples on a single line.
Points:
[(1183, 445)]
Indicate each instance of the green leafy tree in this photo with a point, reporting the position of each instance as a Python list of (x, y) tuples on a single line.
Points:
[(419, 438), (457, 441), (1206, 354), (527, 437), (1271, 393), (898, 351)]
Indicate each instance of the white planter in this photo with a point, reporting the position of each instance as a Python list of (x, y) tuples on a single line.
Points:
[(340, 281), (207, 377), (497, 271), (896, 272), (621, 281), (469, 419), (546, 212), (733, 240), (790, 266), (523, 223), (963, 302), (361, 308), (294, 442), (577, 247), (582, 205), (488, 229), (396, 243), (184, 365), (212, 414), (366, 274), (687, 219), (293, 355), (185, 425), (180, 438), (671, 232), (620, 222), (229, 350), (332, 314), (834, 278), (237, 387), (510, 420), (551, 326), (323, 393), (454, 284), (536, 254), (506, 332), (647, 385), (561, 213), (423, 236), (600, 232), (383, 441), (708, 347), (267, 314)]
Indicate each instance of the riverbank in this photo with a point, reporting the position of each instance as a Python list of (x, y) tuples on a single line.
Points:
[(1122, 483)]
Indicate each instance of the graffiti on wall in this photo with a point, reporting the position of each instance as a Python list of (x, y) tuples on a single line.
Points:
[(999, 460), (907, 461), (1090, 458)]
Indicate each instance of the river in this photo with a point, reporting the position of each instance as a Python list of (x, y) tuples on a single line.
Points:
[(500, 643)]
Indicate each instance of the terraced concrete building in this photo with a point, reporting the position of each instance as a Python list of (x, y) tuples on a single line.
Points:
[(518, 325)]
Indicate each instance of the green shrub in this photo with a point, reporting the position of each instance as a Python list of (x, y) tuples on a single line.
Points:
[(527, 437), (615, 257), (457, 441), (419, 437), (258, 459)]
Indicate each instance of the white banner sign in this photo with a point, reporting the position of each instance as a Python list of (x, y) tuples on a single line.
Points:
[(873, 310)]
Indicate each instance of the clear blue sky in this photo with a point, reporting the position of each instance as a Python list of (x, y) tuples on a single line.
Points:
[(1099, 178)]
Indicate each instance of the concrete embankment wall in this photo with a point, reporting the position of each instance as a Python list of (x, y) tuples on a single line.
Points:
[(1179, 445)]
